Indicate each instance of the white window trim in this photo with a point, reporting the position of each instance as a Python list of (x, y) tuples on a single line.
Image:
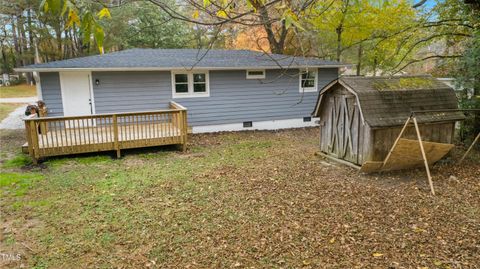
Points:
[(255, 76), (190, 92), (308, 89)]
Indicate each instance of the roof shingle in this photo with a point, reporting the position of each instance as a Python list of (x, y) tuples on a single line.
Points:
[(185, 58), (389, 101)]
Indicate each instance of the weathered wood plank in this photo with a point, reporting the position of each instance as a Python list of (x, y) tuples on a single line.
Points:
[(407, 154)]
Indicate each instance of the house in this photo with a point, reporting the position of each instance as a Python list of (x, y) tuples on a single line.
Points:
[(361, 117), (223, 90)]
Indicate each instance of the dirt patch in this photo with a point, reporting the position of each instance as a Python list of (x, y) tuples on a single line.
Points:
[(14, 244), (11, 142)]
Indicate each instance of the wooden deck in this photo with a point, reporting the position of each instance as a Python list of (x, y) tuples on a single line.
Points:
[(53, 136)]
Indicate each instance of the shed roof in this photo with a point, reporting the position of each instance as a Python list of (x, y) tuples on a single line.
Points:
[(166, 59), (389, 101)]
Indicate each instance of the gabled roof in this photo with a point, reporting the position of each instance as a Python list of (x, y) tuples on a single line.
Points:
[(167, 59), (389, 101)]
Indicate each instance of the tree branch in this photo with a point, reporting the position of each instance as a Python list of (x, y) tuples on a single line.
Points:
[(419, 4), (426, 58)]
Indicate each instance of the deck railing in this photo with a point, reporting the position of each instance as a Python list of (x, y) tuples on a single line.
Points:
[(52, 136)]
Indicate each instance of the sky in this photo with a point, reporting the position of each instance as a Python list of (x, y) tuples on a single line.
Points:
[(429, 4)]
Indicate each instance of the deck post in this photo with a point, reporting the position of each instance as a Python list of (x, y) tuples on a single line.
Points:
[(33, 149), (184, 130), (28, 134), (115, 136)]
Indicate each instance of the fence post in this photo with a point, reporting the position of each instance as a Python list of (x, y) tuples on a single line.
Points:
[(115, 136)]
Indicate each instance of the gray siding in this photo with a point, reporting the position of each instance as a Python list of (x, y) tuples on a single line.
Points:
[(131, 91), (51, 93), (234, 99)]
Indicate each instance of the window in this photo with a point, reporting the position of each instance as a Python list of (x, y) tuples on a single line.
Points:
[(308, 80), (190, 84), (307, 119), (255, 74), (181, 83), (199, 83)]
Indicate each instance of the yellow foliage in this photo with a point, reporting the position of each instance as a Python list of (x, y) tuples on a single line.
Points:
[(222, 14), (196, 14), (104, 12), (73, 19), (252, 38)]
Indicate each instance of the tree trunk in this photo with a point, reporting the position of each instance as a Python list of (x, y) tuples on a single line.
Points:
[(5, 64), (4, 60), (339, 32), (18, 53), (359, 64), (22, 38), (37, 53), (276, 46), (66, 47), (58, 39), (77, 42), (31, 52), (30, 28), (339, 29), (74, 43), (375, 67), (24, 47)]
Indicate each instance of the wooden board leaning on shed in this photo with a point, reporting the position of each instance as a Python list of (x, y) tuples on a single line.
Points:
[(404, 154), (407, 154)]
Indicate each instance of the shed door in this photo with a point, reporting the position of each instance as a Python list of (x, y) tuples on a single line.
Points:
[(344, 128)]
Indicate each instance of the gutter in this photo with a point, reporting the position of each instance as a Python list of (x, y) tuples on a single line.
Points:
[(59, 69)]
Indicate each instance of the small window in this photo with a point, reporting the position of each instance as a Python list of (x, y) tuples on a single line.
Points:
[(190, 84), (181, 83), (199, 83), (255, 74), (308, 80), (307, 119), (247, 124)]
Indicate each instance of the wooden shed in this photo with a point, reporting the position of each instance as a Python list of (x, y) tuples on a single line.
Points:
[(361, 117)]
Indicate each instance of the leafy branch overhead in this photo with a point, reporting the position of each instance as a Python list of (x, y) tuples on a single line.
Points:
[(81, 14), (378, 37)]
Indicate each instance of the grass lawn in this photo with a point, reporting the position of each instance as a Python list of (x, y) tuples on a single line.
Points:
[(234, 200), (7, 108), (22, 90)]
